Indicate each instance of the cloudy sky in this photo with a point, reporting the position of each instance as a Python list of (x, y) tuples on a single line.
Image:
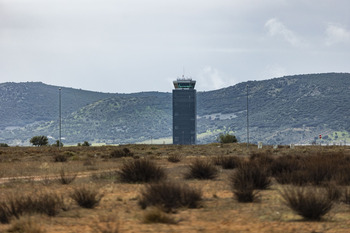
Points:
[(143, 45)]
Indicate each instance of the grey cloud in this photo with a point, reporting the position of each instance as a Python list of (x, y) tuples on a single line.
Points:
[(139, 45)]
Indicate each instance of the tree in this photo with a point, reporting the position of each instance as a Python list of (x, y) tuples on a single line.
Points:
[(86, 143), (57, 143), (227, 138), (39, 140)]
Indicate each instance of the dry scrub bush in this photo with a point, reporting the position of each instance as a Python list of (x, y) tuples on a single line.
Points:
[(202, 170), (175, 158), (111, 175), (342, 174), (169, 195), (141, 171), (246, 193), (48, 203), (86, 197), (5, 214), (310, 203), (334, 192), (346, 198), (25, 225), (263, 158), (60, 158), (66, 179), (254, 173), (315, 169), (248, 177), (285, 164), (107, 223), (119, 153), (156, 215), (227, 162)]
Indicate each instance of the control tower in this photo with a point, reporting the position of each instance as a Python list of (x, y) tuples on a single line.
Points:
[(184, 112)]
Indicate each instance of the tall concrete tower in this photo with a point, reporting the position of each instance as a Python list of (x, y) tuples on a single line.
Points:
[(184, 112)]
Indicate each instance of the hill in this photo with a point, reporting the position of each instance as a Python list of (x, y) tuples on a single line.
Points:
[(25, 103), (292, 109)]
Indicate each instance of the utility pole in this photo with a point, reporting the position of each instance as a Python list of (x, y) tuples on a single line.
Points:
[(59, 110), (247, 118)]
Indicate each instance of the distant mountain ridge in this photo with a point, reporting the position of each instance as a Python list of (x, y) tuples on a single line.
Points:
[(291, 109)]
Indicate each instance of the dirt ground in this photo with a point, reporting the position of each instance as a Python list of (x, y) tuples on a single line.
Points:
[(31, 170)]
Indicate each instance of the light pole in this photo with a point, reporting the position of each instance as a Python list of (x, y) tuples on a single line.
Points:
[(247, 118), (59, 113)]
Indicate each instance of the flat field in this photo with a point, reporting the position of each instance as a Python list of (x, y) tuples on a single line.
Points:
[(35, 170)]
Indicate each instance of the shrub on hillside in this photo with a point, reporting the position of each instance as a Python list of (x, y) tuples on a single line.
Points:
[(168, 196), (3, 145), (141, 171), (310, 203), (227, 138), (202, 170)]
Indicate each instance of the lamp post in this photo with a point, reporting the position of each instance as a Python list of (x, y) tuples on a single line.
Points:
[(247, 118), (59, 113)]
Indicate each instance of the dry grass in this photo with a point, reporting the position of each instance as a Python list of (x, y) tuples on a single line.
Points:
[(202, 169), (26, 170), (25, 225), (310, 203), (169, 195), (86, 197), (141, 171), (156, 215)]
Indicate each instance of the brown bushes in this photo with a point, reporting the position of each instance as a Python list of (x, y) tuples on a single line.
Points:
[(202, 170), (142, 171), (314, 169), (227, 162), (310, 203), (158, 216), (64, 178), (86, 197), (169, 195), (246, 179), (119, 153), (48, 203)]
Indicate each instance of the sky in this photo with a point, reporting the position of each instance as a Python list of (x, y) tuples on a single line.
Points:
[(126, 46)]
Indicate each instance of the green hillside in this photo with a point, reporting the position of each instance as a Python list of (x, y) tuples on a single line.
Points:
[(293, 109), (26, 103)]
